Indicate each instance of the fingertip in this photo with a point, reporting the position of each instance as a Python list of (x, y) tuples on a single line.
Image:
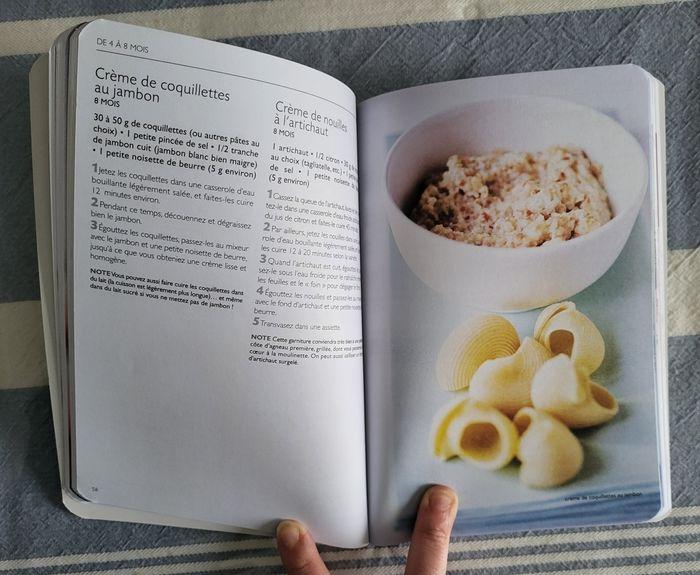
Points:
[(439, 499), (298, 550), (427, 554), (288, 533)]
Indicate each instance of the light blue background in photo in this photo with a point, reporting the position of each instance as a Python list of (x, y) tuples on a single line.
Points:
[(620, 456), (620, 478)]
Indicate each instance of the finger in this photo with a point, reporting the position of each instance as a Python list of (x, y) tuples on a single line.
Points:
[(431, 534), (298, 550)]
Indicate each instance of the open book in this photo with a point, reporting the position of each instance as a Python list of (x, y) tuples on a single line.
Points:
[(263, 301)]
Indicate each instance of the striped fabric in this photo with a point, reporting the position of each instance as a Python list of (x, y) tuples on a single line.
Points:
[(615, 551), (373, 47)]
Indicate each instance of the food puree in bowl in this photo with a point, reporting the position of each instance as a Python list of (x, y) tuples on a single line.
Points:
[(515, 199)]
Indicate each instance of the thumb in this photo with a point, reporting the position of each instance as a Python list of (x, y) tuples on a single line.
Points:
[(431, 534), (298, 550)]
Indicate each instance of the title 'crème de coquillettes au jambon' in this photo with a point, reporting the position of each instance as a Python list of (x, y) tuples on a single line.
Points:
[(515, 199)]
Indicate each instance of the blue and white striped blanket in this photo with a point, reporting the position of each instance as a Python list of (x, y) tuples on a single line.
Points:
[(373, 47)]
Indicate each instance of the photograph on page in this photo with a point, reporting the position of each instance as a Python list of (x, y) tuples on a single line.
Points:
[(512, 267)]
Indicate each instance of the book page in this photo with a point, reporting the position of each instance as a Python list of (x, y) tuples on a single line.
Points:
[(513, 349), (217, 325)]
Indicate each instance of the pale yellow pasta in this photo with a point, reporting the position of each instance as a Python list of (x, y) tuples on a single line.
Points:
[(548, 313), (471, 344), (475, 432), (549, 452), (505, 382), (440, 424), (561, 328), (566, 392), (483, 435)]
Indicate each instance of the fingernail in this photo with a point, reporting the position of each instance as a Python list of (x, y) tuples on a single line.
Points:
[(441, 500), (288, 533)]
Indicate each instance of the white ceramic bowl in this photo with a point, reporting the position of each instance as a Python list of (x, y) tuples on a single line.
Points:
[(514, 279)]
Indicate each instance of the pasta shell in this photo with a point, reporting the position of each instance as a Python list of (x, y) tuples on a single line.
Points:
[(440, 424), (471, 344), (561, 328), (476, 432), (483, 435), (547, 313), (505, 382), (563, 390), (550, 453)]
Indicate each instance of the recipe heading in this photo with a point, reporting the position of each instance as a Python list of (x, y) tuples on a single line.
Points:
[(115, 85)]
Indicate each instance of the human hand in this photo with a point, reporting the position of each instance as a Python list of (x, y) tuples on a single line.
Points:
[(427, 554)]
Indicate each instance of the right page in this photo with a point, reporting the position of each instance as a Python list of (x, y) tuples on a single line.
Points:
[(513, 301)]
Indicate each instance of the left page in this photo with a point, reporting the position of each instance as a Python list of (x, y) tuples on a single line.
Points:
[(215, 297)]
